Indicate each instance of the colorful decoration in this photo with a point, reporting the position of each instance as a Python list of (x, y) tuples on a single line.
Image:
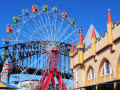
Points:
[(8, 67), (45, 8), (55, 10), (25, 12), (6, 40), (16, 19), (64, 14), (35, 8), (5, 54), (72, 21), (9, 28)]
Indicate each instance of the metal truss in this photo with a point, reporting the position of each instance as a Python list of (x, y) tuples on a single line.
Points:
[(29, 51)]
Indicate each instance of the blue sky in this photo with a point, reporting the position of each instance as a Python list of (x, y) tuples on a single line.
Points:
[(85, 11)]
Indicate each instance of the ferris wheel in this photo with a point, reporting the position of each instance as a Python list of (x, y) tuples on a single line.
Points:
[(47, 34)]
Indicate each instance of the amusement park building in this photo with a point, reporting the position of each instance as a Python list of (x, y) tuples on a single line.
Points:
[(97, 67)]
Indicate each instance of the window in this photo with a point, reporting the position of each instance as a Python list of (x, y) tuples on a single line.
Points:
[(106, 69), (77, 76), (91, 74)]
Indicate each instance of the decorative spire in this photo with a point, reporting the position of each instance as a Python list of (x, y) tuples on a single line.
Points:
[(72, 47), (109, 16), (93, 33), (80, 39)]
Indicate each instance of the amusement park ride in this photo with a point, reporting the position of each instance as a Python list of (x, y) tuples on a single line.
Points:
[(38, 43)]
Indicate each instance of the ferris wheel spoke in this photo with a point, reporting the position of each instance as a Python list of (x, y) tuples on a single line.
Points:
[(47, 18), (46, 23), (32, 32), (39, 27), (54, 30), (35, 72), (47, 67), (69, 35), (18, 32), (55, 25), (38, 67), (64, 31), (43, 24), (32, 64), (22, 68), (59, 29), (16, 37), (28, 76), (42, 30), (13, 34), (70, 80), (50, 26), (73, 40), (28, 36)]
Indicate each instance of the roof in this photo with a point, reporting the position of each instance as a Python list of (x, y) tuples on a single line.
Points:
[(4, 85), (72, 47), (93, 33), (109, 16), (87, 39), (80, 39)]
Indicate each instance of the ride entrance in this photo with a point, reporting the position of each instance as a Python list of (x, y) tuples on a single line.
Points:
[(38, 43)]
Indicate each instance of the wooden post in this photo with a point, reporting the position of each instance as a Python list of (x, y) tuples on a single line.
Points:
[(115, 84), (96, 87)]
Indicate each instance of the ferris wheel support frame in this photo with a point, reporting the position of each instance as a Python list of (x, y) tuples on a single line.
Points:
[(50, 75)]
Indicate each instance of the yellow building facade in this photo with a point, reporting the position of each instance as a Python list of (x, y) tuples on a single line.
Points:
[(98, 67)]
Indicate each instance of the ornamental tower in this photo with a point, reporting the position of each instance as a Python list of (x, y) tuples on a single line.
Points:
[(93, 43), (109, 30), (80, 48), (71, 55)]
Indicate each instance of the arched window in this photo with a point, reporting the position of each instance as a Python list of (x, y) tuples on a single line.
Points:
[(91, 74), (77, 76), (106, 69)]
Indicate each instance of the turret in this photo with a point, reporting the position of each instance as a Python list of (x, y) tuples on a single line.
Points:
[(109, 28), (80, 47), (71, 55), (72, 47), (93, 43)]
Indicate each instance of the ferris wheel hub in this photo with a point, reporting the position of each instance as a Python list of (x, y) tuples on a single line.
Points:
[(54, 49)]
